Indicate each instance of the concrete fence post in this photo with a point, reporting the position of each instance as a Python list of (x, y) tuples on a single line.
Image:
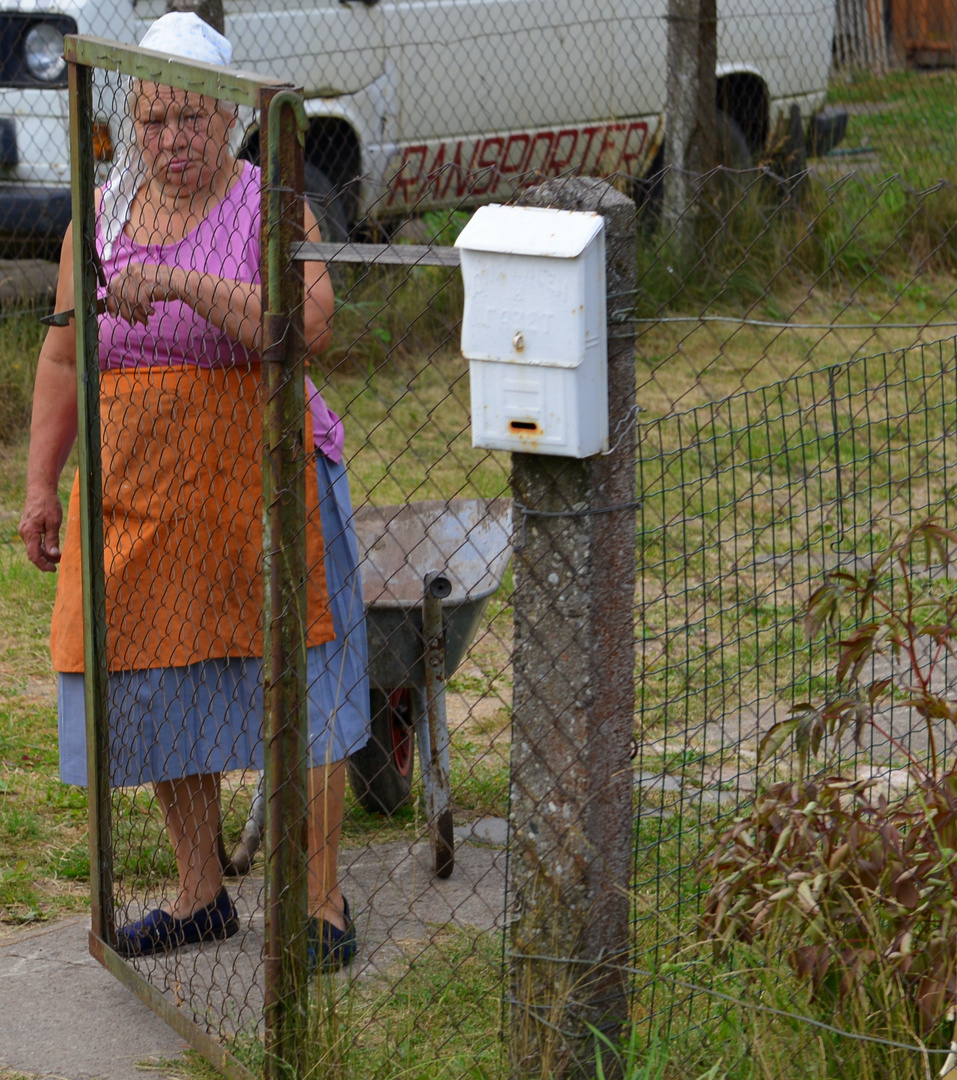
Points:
[(690, 145), (574, 700)]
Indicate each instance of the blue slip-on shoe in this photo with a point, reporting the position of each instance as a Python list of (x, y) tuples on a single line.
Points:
[(158, 931), (330, 948)]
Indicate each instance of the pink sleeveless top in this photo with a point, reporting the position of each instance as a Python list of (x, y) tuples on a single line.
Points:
[(225, 243)]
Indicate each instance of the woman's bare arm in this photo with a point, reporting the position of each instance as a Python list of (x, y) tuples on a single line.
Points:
[(52, 429), (235, 307)]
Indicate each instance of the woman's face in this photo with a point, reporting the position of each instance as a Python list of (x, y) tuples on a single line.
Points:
[(182, 134)]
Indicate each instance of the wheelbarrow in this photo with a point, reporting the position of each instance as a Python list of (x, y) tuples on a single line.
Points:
[(429, 570)]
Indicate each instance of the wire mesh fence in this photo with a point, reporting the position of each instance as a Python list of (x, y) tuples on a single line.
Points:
[(748, 503)]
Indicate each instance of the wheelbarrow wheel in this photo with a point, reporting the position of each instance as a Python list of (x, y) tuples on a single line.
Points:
[(381, 772)]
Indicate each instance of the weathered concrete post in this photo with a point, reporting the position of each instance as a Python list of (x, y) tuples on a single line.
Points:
[(574, 700), (689, 109)]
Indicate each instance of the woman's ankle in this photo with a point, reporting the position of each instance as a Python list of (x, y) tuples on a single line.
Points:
[(333, 910)]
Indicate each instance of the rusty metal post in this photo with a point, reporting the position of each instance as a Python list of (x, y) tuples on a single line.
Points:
[(285, 702), (573, 713), (91, 510)]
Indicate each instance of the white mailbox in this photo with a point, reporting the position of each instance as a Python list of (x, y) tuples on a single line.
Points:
[(533, 329)]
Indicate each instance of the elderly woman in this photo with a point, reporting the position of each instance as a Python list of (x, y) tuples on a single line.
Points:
[(178, 236)]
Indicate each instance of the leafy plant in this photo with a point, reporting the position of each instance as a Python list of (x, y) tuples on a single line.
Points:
[(900, 615), (858, 887)]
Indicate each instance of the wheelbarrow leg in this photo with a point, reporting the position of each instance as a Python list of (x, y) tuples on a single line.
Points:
[(432, 729), (239, 863)]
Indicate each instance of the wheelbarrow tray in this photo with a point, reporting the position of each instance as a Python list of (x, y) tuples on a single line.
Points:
[(468, 541)]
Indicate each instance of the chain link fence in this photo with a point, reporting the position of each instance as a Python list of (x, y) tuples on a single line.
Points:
[(197, 766), (796, 386)]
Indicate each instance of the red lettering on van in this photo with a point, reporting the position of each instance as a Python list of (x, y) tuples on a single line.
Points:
[(455, 170), (441, 174), (607, 143), (533, 170), (510, 165), (408, 176), (590, 132), (628, 164), (439, 177), (522, 157), (488, 159), (555, 163)]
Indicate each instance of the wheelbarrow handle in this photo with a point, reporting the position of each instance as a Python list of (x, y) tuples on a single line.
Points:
[(64, 318), (438, 584), (435, 732)]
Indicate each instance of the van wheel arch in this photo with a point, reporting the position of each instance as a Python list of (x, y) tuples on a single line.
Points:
[(330, 174), (333, 149), (744, 99), (326, 204)]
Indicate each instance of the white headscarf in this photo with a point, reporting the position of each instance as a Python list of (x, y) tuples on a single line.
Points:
[(184, 34), (181, 34)]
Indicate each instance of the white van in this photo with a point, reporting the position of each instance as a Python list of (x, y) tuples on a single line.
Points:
[(419, 104)]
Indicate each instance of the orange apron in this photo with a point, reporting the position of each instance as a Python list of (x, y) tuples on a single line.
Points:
[(182, 524)]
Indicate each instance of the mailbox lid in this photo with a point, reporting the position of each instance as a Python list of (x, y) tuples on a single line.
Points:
[(530, 230), (534, 286)]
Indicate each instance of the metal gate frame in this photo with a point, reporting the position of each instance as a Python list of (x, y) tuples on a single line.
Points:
[(282, 125)]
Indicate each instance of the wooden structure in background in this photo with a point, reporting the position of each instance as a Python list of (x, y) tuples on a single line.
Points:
[(859, 40), (925, 31)]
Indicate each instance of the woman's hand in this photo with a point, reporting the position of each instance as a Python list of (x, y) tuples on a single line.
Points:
[(40, 529), (235, 307), (133, 292)]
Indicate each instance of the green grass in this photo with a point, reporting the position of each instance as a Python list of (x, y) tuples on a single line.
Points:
[(43, 824), (44, 861), (479, 778), (407, 432), (749, 1019), (862, 241), (20, 338), (908, 119), (433, 1015)]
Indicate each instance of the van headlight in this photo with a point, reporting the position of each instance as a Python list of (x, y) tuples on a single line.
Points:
[(43, 51)]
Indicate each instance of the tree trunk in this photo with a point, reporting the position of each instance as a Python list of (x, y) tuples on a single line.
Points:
[(210, 11)]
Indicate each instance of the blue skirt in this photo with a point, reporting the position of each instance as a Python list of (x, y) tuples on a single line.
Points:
[(207, 717)]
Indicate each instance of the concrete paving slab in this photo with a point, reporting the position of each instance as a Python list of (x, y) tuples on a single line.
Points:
[(62, 1015)]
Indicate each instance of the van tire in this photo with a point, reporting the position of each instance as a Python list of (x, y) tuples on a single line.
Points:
[(326, 204), (731, 144), (731, 151)]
